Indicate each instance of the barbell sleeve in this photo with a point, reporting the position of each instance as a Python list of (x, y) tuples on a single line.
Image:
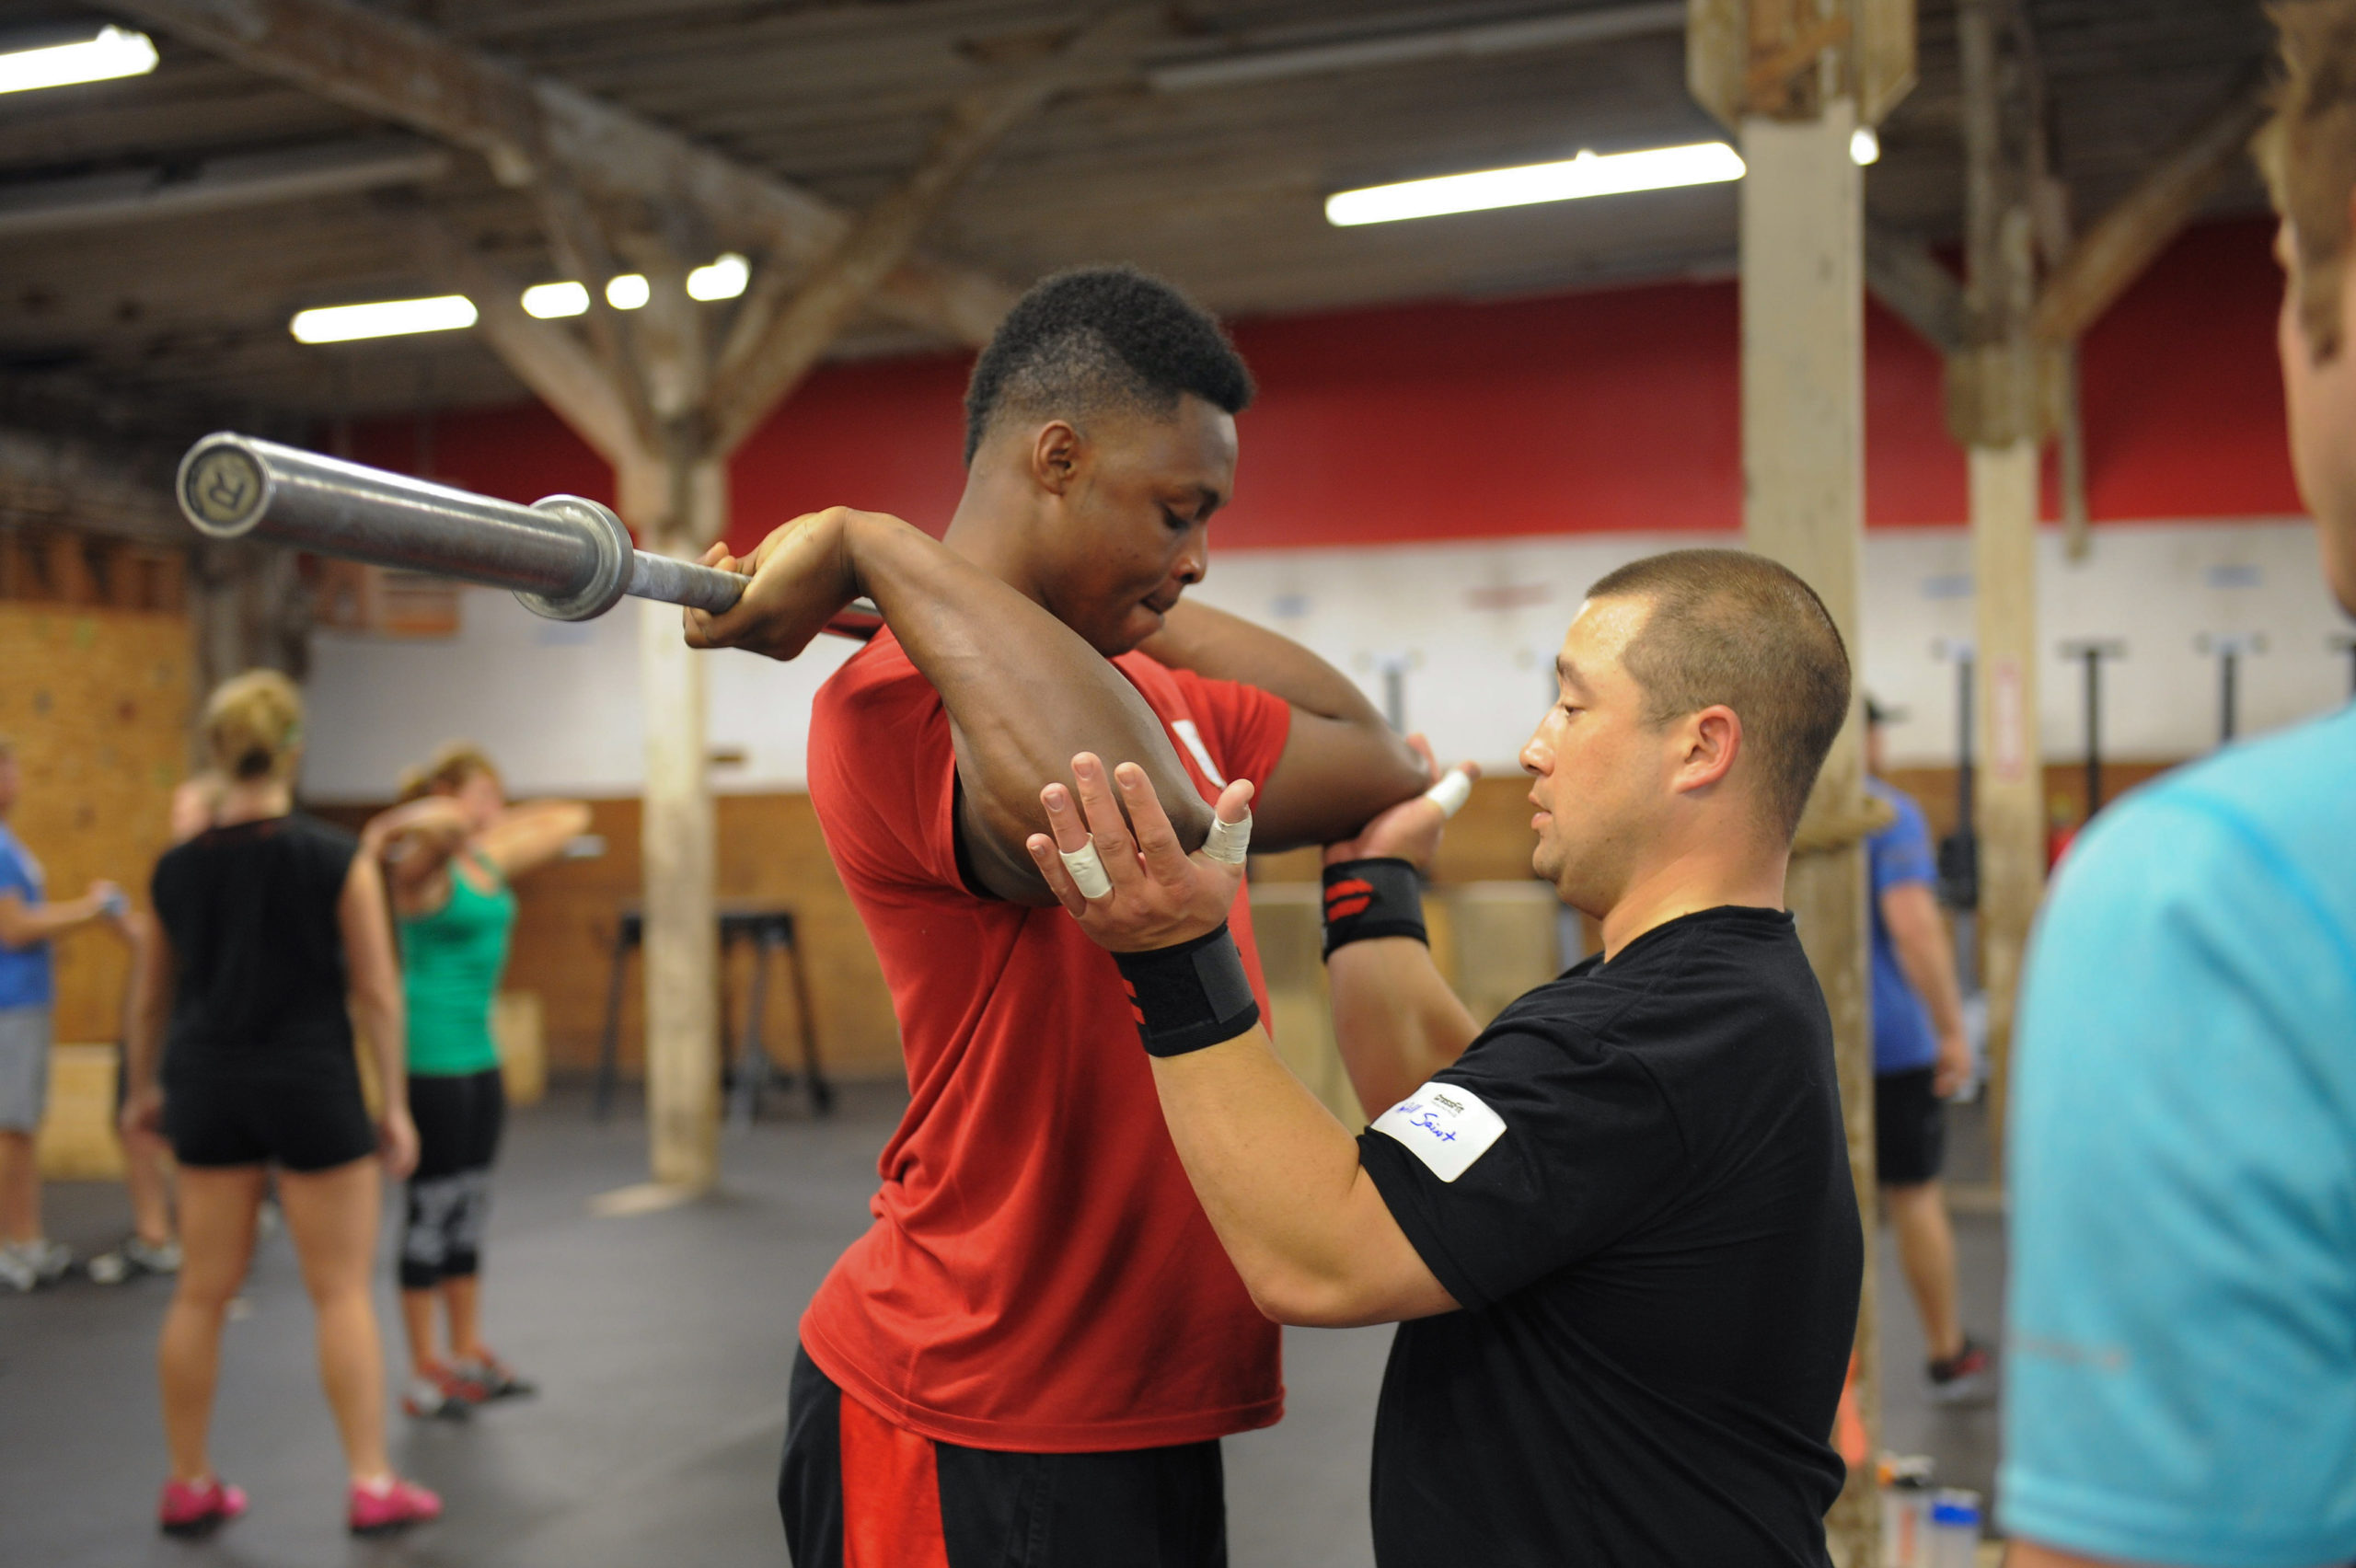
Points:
[(564, 557)]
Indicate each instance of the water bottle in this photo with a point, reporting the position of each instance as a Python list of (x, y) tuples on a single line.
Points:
[(1905, 1523), (1953, 1540)]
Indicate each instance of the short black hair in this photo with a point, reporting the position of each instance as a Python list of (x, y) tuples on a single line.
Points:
[(1734, 627), (1102, 337)]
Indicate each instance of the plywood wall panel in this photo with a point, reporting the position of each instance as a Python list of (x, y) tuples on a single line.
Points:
[(97, 702)]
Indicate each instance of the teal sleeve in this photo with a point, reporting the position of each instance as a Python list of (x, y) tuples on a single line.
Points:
[(2181, 1375)]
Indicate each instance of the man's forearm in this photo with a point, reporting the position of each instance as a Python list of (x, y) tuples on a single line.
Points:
[(1023, 691), (1280, 1179), (1395, 1021), (1229, 647), (1919, 938)]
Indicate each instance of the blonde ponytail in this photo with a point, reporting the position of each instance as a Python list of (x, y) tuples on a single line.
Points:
[(253, 726)]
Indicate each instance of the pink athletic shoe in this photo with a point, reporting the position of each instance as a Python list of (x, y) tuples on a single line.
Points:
[(198, 1510), (391, 1505)]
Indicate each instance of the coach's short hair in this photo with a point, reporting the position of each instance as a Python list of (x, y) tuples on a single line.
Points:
[(1732, 628), (1102, 338)]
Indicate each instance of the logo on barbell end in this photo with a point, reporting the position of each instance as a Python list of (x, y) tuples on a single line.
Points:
[(223, 486)]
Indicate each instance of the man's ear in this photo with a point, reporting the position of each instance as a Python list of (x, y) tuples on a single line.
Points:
[(1055, 456), (1712, 740)]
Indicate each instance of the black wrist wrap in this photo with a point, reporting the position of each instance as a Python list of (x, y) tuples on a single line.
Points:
[(1189, 996), (1373, 898)]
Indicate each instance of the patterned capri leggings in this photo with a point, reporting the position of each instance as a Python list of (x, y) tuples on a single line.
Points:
[(459, 1120)]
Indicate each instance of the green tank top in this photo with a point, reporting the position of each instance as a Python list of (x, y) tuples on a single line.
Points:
[(451, 962)]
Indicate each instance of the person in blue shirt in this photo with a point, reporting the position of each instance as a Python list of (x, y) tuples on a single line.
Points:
[(2181, 1362), (1920, 1056), (29, 923)]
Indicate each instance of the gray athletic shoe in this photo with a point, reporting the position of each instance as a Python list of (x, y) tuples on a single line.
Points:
[(49, 1259), (17, 1271), (134, 1257)]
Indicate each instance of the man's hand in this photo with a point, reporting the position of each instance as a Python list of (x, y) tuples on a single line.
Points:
[(802, 577), (1161, 895), (1408, 831), (1955, 1065)]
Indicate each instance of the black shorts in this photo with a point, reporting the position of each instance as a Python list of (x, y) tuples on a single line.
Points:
[(1910, 1128), (979, 1508), (458, 1119), (300, 1120)]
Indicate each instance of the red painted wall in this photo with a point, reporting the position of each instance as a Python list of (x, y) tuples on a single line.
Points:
[(1592, 412)]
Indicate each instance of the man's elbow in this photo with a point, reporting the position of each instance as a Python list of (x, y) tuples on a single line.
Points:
[(1305, 1298)]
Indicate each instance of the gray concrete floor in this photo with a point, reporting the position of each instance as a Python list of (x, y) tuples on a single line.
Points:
[(663, 1342)]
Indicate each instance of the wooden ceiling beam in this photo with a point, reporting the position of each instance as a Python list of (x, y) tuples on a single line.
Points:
[(71, 483), (2111, 255), (1904, 274), (394, 69), (558, 366), (775, 340)]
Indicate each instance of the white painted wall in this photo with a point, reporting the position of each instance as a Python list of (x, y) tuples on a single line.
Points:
[(1474, 625)]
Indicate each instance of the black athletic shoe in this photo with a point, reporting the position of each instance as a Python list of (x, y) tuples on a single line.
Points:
[(1966, 1378)]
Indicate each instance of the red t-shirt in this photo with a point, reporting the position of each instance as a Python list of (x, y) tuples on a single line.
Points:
[(1040, 1277)]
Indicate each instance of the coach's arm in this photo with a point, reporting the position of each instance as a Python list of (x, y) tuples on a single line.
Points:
[(1279, 1178)]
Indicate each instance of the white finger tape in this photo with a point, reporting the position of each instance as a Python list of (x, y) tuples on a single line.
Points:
[(1228, 841), (1451, 793), (1086, 869)]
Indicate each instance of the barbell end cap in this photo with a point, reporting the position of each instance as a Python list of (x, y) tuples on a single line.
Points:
[(223, 486), (608, 582)]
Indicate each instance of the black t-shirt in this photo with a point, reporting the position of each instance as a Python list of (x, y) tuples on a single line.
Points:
[(257, 973), (1652, 1229)]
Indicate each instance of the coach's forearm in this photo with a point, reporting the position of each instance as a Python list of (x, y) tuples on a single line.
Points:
[(1024, 692), (1281, 1182), (1395, 1021)]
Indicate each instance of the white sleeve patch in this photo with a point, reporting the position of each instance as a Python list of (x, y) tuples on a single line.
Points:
[(1186, 730), (1444, 1125)]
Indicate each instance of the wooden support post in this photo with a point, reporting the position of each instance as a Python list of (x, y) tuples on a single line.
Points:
[(1803, 458), (2009, 801), (1997, 408)]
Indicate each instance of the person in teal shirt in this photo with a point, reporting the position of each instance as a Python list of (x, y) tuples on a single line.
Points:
[(450, 850), (2181, 1367)]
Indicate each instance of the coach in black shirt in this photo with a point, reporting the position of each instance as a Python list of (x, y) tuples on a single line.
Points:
[(1617, 1227)]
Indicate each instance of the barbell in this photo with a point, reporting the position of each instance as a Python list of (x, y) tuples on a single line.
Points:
[(564, 557)]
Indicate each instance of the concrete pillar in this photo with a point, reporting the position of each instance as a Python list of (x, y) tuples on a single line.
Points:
[(1803, 460)]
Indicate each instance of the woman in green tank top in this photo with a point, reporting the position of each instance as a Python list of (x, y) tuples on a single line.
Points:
[(450, 850)]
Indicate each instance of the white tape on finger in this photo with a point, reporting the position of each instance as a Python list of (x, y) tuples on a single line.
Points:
[(1228, 841), (1451, 793), (1086, 869)]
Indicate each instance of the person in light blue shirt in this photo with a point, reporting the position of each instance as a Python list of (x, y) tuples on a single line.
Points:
[(2181, 1366)]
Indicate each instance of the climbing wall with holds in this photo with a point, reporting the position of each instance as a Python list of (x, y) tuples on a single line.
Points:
[(97, 701)]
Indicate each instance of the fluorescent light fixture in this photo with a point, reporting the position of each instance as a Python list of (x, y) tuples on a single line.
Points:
[(1660, 169), (1864, 147), (628, 290), (549, 301), (724, 279), (116, 51), (385, 318)]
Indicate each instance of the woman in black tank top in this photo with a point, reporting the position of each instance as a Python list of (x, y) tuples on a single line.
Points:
[(272, 936)]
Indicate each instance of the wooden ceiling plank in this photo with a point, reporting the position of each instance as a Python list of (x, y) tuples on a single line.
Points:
[(383, 66)]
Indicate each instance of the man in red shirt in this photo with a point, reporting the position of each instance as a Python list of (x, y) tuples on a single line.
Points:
[(1036, 1348)]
